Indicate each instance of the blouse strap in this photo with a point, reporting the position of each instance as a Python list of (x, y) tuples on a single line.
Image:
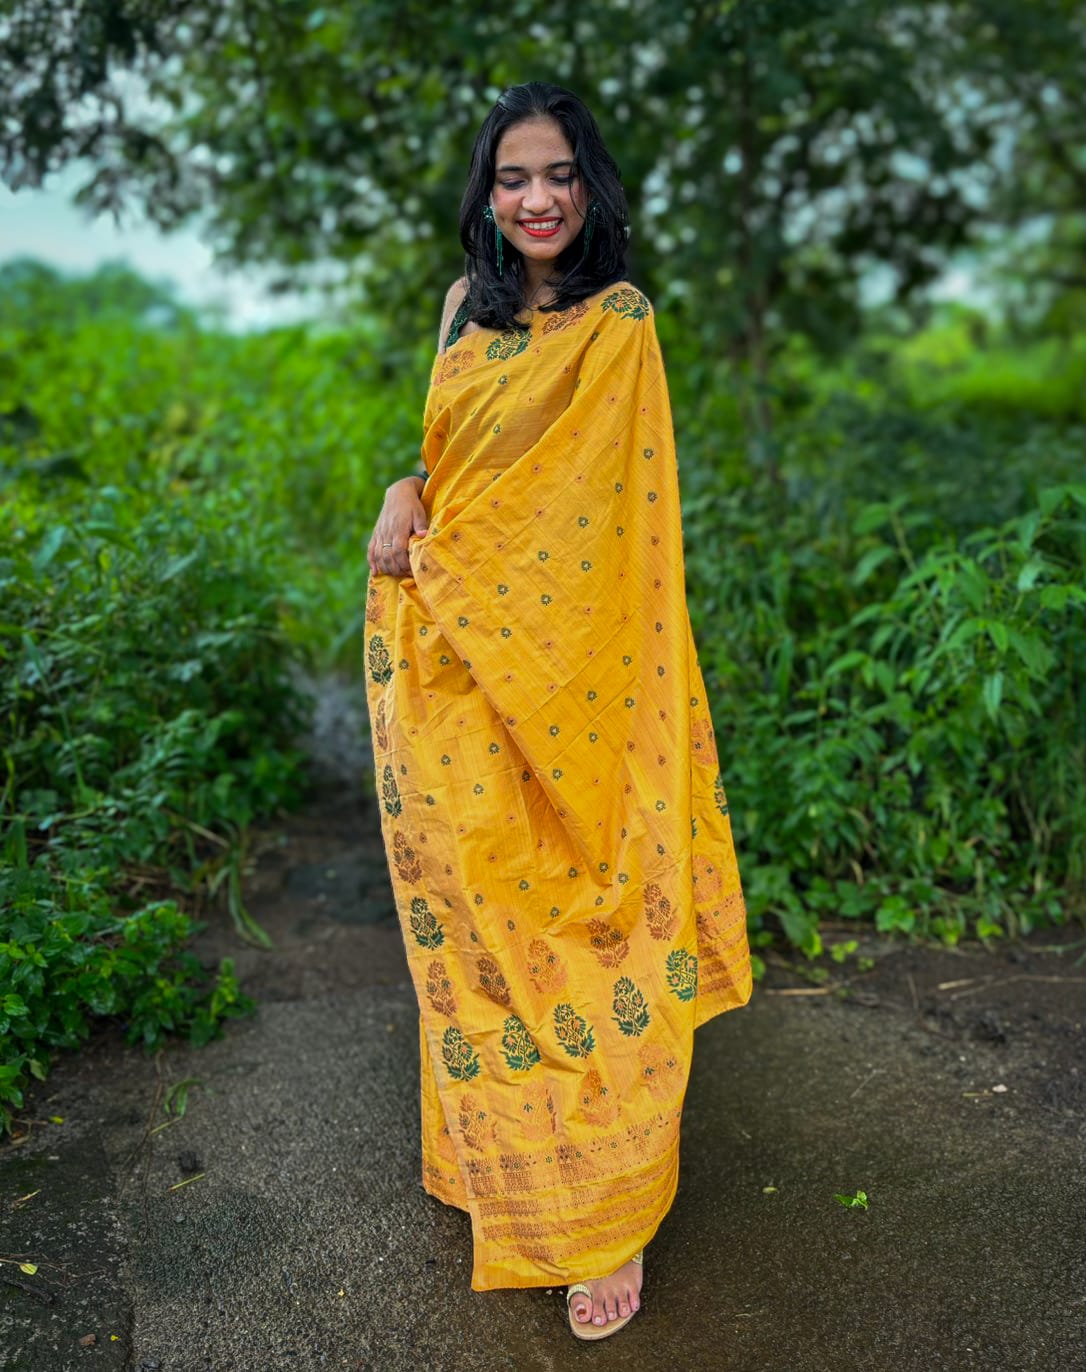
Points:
[(459, 319)]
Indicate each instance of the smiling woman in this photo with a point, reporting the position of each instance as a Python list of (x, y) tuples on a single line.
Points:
[(552, 805), (534, 199)]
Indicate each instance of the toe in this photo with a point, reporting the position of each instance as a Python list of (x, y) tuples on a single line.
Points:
[(582, 1310)]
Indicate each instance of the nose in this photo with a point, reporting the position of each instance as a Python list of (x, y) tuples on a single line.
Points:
[(537, 198)]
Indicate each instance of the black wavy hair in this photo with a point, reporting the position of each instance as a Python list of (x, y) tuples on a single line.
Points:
[(494, 301)]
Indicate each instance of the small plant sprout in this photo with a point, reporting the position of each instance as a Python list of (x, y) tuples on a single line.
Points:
[(858, 1201)]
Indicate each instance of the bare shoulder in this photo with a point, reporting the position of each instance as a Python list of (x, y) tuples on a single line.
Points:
[(454, 297)]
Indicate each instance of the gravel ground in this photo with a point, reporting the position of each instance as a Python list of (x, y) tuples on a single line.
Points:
[(948, 1085)]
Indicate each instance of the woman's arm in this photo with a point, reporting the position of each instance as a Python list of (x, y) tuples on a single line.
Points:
[(402, 513)]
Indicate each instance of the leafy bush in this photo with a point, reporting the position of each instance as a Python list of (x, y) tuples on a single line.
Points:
[(149, 712), (901, 709), (146, 681), (60, 966)]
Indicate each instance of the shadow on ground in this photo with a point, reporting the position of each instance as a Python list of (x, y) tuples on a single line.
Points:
[(946, 1084)]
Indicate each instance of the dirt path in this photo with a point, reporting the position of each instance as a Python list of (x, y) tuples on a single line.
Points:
[(946, 1084)]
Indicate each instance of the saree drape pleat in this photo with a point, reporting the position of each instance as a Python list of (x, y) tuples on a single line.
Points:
[(551, 800)]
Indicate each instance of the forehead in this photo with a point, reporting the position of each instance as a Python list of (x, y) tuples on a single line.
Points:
[(533, 145)]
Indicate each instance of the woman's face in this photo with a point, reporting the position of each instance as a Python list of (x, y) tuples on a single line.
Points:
[(536, 197)]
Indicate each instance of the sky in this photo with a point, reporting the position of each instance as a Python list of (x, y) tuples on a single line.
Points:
[(46, 225)]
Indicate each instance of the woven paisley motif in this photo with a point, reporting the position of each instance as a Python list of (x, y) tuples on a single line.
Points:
[(573, 1032), (628, 302), (631, 1012), (608, 943), (562, 319), (518, 1046), (460, 1058), (508, 344), (453, 363), (424, 925), (545, 967), (439, 989)]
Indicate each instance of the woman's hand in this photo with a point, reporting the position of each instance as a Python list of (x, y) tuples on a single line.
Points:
[(401, 515)]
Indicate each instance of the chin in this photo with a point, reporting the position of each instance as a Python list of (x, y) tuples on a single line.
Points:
[(545, 251)]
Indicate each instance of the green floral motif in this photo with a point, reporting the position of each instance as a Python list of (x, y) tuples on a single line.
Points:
[(390, 792), (379, 661), (424, 925), (572, 1032), (460, 1058), (508, 344), (627, 301), (718, 794), (518, 1046), (631, 1012), (682, 973)]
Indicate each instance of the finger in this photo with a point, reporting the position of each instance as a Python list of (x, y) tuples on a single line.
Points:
[(394, 556), (386, 555)]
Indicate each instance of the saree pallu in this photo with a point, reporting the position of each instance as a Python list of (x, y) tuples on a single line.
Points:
[(551, 799)]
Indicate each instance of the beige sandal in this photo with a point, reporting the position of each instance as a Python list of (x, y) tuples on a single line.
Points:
[(588, 1330)]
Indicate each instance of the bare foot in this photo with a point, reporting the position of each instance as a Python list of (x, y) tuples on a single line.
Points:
[(612, 1297)]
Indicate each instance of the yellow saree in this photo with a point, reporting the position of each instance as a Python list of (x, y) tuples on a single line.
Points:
[(551, 802)]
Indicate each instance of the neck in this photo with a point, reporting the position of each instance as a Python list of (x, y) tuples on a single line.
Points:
[(535, 274)]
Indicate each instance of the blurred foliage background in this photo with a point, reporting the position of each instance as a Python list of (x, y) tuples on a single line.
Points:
[(884, 492)]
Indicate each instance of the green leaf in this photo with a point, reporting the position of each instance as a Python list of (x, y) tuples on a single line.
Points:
[(993, 693), (1030, 573), (50, 545), (997, 632), (870, 562)]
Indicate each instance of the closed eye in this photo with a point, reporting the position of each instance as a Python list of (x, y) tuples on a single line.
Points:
[(515, 185)]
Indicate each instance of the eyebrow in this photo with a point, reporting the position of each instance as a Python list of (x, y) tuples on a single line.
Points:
[(566, 162)]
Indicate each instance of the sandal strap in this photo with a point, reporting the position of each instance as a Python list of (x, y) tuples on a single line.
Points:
[(579, 1289)]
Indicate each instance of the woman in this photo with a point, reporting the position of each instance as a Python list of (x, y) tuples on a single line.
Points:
[(556, 826)]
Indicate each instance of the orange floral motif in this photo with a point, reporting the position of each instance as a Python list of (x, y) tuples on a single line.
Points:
[(660, 1070), (375, 605), (595, 1101), (545, 967), (446, 1149), (455, 362), (491, 980), (608, 943), (661, 918), (562, 319), (476, 1126), (405, 858), (703, 743), (537, 1110), (380, 730), (708, 881), (440, 989)]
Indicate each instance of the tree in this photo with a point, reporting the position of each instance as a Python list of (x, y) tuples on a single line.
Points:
[(774, 151)]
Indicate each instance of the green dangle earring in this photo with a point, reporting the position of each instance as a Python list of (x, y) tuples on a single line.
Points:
[(488, 215)]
